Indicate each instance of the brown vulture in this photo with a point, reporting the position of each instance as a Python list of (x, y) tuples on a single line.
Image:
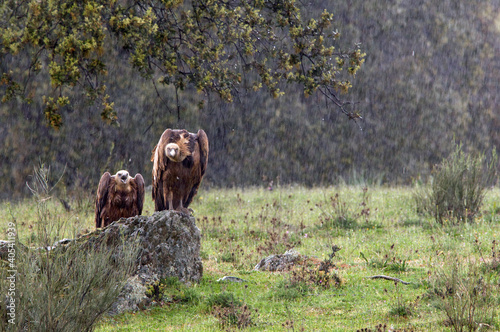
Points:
[(118, 195), (179, 163)]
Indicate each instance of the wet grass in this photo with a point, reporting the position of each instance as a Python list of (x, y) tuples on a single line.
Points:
[(377, 229)]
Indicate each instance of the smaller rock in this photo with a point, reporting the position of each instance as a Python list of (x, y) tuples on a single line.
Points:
[(282, 262), (231, 279), (62, 242)]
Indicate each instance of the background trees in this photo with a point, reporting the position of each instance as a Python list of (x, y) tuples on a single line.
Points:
[(430, 77)]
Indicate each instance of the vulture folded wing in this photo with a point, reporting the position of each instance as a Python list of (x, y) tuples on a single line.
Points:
[(102, 197), (154, 159), (159, 166), (153, 152), (203, 144), (139, 181), (202, 139)]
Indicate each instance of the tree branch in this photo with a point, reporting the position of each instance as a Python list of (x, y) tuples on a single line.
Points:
[(389, 278)]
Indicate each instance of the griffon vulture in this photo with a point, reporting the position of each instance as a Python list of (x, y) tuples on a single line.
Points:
[(179, 163), (118, 195)]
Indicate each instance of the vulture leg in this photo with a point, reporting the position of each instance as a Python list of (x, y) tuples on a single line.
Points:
[(170, 201), (166, 195), (183, 209)]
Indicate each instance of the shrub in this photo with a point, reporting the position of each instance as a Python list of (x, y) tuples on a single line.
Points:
[(290, 290), (230, 311), (156, 290), (170, 289), (304, 279), (339, 213), (224, 299), (239, 316), (389, 262), (63, 288), (458, 187), (188, 296), (468, 298)]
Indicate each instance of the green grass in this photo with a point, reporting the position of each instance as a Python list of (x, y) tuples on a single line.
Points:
[(379, 233)]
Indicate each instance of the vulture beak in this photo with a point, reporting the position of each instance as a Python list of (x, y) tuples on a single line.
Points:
[(123, 176), (172, 152)]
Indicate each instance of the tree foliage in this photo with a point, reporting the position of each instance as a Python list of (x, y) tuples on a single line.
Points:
[(429, 80), (207, 44)]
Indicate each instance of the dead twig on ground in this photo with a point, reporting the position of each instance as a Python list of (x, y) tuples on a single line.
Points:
[(389, 278)]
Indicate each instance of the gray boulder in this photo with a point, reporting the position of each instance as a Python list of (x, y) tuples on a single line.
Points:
[(169, 247), (283, 262)]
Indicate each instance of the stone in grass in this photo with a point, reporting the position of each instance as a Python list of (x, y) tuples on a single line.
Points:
[(282, 262), (231, 279)]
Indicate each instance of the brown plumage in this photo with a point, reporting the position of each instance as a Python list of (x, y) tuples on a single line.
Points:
[(118, 196), (179, 163)]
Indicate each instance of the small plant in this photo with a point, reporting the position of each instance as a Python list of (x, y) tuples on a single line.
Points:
[(384, 328), (171, 290), (493, 213), (458, 187), (224, 299), (402, 309), (495, 256), (230, 311), (291, 289), (326, 275), (156, 290), (229, 253), (303, 279), (389, 262), (468, 298), (289, 324), (276, 237), (188, 296), (490, 264), (397, 265), (337, 213), (228, 257), (237, 316)]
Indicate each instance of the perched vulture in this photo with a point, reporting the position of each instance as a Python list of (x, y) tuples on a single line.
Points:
[(179, 163), (118, 195)]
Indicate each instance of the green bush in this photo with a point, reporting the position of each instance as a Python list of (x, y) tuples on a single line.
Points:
[(287, 290), (170, 289), (458, 186), (230, 311), (234, 316), (338, 213), (467, 297), (224, 299)]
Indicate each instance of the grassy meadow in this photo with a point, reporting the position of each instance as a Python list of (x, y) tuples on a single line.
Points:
[(378, 232)]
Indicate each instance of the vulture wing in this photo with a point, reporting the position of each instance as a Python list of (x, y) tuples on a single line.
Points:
[(139, 181), (203, 143), (202, 140), (102, 197), (159, 166), (154, 159)]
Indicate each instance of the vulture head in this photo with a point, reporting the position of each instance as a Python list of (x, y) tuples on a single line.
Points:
[(122, 179)]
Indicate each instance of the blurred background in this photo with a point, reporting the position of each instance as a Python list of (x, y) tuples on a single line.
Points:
[(430, 80)]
